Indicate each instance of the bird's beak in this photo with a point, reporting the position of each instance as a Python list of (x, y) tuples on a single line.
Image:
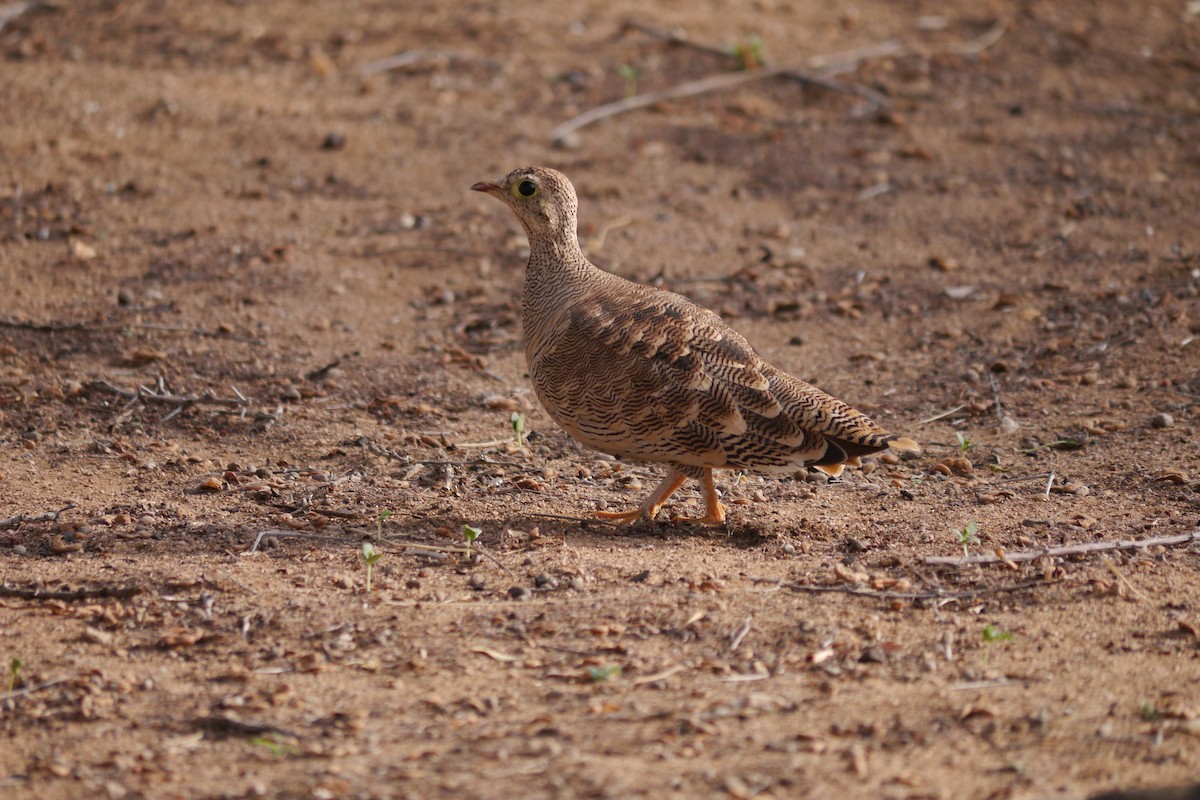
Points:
[(487, 187)]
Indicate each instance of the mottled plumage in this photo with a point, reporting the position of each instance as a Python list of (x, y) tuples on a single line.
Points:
[(648, 375)]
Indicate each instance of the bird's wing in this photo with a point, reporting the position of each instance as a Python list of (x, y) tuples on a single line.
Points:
[(648, 374)]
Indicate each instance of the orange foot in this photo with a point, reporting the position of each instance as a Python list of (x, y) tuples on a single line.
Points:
[(652, 504), (621, 517), (714, 511)]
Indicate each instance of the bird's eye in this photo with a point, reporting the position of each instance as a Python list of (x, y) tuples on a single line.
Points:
[(525, 189)]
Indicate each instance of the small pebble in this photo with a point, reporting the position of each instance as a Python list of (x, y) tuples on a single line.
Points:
[(518, 593), (20, 550), (412, 583), (545, 581), (789, 548), (476, 582), (1162, 420), (576, 583)]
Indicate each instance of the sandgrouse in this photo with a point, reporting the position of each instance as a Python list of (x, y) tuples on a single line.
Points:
[(645, 374)]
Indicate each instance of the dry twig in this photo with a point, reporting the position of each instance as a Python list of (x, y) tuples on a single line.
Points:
[(47, 516), (83, 327), (937, 594), (31, 689), (161, 396), (71, 595), (1051, 552)]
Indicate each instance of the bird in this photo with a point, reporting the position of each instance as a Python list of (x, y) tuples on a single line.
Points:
[(647, 375)]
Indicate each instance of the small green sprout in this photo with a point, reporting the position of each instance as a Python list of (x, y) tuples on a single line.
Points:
[(967, 537), (602, 672), (469, 535), (964, 444), (272, 744), (1149, 712), (631, 74), (14, 672), (370, 556), (749, 53), (518, 425), (379, 520), (992, 634)]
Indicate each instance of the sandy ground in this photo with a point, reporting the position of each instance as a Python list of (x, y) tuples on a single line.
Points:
[(983, 233)]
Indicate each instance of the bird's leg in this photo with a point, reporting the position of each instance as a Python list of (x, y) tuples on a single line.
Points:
[(651, 504), (714, 512)]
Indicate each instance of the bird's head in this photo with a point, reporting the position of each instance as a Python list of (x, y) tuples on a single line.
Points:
[(543, 200)]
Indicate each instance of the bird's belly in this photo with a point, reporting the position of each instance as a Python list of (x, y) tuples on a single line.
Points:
[(587, 411)]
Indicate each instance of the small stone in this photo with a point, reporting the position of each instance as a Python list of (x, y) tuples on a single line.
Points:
[(518, 593), (334, 141), (412, 583), (1162, 420), (20, 550), (873, 655), (344, 582), (545, 581), (1009, 425), (477, 582), (789, 549)]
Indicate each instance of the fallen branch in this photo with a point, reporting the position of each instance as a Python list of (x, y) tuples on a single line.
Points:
[(84, 327), (47, 516), (31, 689), (827, 66), (230, 726), (71, 595), (277, 532), (989, 38), (410, 57), (712, 83), (161, 396), (820, 72), (13, 11), (1071, 550), (936, 594)]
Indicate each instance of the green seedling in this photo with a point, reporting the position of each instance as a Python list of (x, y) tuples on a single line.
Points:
[(379, 520), (518, 425), (749, 53), (14, 672), (964, 444), (992, 634), (469, 535), (967, 537), (599, 673), (631, 74), (1149, 712), (370, 557), (276, 747)]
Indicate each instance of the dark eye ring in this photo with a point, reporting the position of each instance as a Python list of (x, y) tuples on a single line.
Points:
[(527, 188)]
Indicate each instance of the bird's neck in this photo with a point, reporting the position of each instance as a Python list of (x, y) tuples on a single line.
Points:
[(556, 268), (557, 277)]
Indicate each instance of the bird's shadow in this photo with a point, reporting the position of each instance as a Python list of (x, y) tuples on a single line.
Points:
[(741, 535)]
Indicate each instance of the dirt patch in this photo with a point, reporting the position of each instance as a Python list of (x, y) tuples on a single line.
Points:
[(252, 306)]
